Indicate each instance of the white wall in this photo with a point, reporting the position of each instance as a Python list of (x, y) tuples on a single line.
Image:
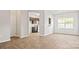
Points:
[(4, 26), (41, 23), (13, 22), (48, 28), (19, 23), (24, 25), (67, 31)]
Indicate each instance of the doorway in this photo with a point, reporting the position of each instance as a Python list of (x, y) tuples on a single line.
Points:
[(34, 25), (34, 19)]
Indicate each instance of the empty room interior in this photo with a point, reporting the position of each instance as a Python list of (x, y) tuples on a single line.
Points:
[(39, 29)]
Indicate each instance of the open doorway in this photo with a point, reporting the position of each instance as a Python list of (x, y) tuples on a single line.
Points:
[(34, 19), (34, 25)]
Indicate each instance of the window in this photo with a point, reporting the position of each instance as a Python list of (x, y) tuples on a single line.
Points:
[(66, 22)]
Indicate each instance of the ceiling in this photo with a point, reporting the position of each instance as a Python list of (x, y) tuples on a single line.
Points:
[(61, 11), (53, 11)]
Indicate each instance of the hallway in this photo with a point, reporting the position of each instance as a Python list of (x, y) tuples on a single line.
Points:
[(34, 41)]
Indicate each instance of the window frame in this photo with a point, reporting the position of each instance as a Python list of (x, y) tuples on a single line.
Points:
[(64, 20)]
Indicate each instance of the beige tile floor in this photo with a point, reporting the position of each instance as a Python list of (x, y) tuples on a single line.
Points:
[(34, 41)]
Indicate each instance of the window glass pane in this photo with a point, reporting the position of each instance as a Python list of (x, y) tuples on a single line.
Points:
[(66, 22), (68, 26), (61, 26), (71, 25)]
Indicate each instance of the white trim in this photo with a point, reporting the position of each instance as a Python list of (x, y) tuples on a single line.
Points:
[(23, 36), (4, 40)]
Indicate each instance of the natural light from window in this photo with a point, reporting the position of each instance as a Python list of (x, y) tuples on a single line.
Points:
[(66, 23)]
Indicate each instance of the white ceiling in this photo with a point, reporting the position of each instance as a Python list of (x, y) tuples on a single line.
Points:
[(61, 11), (54, 11)]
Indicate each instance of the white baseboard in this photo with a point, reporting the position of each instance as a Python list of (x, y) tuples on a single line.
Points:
[(45, 34), (48, 34), (4, 40), (23, 36)]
